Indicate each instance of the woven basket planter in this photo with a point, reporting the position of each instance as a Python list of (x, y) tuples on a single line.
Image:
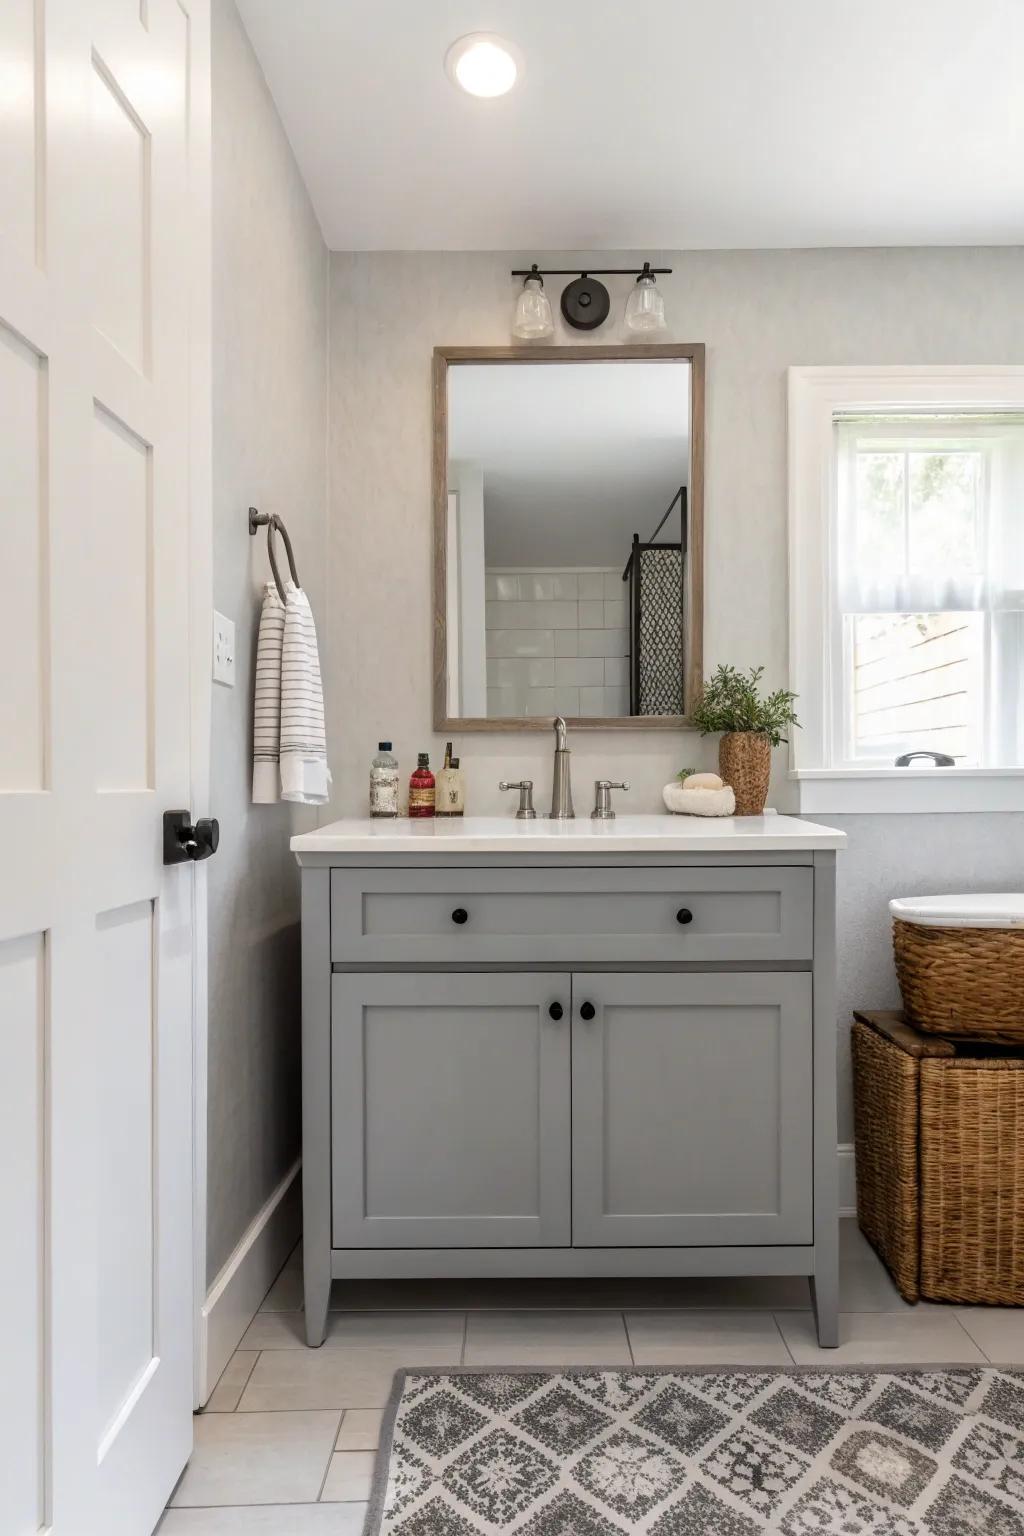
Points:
[(940, 1162), (745, 762), (965, 982)]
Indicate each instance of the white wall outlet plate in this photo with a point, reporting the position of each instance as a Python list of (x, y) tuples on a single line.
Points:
[(223, 650)]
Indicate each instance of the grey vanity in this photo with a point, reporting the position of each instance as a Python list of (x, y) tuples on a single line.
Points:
[(569, 1049)]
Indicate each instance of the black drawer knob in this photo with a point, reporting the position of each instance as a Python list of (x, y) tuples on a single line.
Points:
[(587, 1011), (555, 1011), (684, 915), (460, 915)]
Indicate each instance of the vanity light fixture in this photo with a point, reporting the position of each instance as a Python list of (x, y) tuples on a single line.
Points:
[(645, 307), (585, 301), (483, 64), (533, 320)]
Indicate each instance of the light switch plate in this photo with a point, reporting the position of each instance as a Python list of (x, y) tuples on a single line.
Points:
[(223, 650)]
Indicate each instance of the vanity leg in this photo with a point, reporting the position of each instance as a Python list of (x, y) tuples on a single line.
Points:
[(825, 1280), (316, 1273), (316, 1100), (825, 1294)]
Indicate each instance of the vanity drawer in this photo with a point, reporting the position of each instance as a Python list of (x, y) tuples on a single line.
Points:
[(524, 916)]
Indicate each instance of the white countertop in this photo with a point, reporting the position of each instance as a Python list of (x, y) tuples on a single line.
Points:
[(625, 834)]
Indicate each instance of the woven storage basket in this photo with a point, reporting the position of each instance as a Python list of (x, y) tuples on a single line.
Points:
[(940, 1162), (962, 981)]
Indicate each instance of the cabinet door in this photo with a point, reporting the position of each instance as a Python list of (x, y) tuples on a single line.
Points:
[(692, 1109), (450, 1111)]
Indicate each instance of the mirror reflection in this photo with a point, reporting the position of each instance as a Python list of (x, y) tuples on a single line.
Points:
[(566, 538)]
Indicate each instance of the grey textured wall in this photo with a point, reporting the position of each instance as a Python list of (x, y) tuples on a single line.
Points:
[(758, 312), (907, 856), (270, 278)]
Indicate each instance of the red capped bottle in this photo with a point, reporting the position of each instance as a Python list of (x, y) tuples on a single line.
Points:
[(422, 788)]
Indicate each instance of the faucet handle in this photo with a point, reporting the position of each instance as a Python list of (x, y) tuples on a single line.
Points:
[(526, 811), (603, 799)]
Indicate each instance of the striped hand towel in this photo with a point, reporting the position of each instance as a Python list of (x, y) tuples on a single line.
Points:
[(289, 744)]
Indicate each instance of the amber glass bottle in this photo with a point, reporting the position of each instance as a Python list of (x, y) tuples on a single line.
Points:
[(421, 788)]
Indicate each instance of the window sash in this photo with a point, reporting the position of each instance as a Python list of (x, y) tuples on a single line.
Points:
[(995, 589)]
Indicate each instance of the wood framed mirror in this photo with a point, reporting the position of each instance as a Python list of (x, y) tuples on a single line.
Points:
[(568, 487)]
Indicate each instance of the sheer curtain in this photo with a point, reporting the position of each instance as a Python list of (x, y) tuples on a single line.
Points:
[(930, 523)]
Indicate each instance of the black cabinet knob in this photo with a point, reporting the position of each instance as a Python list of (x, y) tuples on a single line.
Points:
[(587, 1011), (555, 1011), (684, 915), (460, 915)]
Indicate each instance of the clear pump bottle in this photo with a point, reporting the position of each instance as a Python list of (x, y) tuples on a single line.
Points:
[(384, 782)]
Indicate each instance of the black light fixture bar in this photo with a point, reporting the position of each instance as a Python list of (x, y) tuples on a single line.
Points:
[(589, 271)]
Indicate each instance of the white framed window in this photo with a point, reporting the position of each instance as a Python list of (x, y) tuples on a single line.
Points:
[(907, 587)]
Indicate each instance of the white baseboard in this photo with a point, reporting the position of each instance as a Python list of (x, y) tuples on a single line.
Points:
[(234, 1297), (847, 1180)]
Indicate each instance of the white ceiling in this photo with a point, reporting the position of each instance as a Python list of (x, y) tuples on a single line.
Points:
[(575, 458), (669, 124)]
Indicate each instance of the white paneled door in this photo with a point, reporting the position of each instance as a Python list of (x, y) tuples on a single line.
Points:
[(100, 119)]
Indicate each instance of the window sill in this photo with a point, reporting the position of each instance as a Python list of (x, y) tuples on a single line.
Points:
[(905, 791)]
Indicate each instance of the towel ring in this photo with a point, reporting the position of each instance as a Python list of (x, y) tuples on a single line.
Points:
[(273, 524)]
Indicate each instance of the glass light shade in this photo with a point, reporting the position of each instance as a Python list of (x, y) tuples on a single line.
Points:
[(533, 320), (645, 307)]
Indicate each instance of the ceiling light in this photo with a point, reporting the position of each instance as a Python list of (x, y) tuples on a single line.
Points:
[(482, 64)]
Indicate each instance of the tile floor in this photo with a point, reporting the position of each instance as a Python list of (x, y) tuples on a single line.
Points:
[(285, 1446)]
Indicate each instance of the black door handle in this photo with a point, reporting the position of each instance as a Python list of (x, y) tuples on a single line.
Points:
[(184, 840), (587, 1011), (555, 1011), (684, 915), (460, 915)]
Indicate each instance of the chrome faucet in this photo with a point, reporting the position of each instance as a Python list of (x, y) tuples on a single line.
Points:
[(561, 783)]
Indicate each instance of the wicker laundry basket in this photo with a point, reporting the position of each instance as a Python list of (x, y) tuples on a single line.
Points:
[(960, 964), (940, 1161)]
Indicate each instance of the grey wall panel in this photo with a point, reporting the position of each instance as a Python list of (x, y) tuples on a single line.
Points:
[(269, 279), (758, 313), (906, 856)]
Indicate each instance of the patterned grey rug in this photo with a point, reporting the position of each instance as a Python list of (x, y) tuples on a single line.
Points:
[(904, 1452)]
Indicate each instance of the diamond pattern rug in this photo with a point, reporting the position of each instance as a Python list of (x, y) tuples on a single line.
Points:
[(936, 1452)]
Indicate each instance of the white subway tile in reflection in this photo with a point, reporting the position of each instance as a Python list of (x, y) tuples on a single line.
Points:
[(522, 642), (602, 642)]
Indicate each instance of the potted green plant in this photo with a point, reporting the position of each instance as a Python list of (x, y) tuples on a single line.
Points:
[(751, 726)]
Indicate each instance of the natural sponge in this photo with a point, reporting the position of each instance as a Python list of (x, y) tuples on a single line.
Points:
[(700, 794)]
